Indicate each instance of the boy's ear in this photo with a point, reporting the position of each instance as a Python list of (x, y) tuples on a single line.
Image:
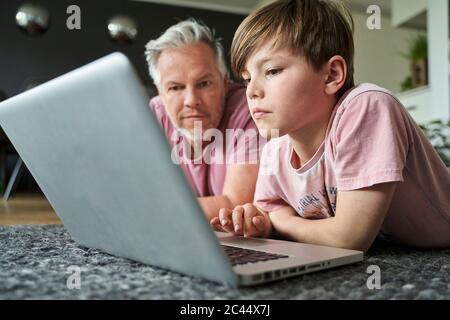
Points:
[(336, 73)]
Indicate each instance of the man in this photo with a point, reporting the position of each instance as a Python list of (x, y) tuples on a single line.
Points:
[(204, 116)]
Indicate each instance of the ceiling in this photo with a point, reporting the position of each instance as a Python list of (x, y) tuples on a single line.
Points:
[(245, 6), (362, 5), (232, 6)]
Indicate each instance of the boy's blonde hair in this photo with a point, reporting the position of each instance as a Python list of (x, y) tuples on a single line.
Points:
[(315, 29)]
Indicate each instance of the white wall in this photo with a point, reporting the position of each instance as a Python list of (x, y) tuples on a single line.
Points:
[(438, 53), (405, 10), (378, 53)]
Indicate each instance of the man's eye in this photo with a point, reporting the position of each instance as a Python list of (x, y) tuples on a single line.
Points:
[(246, 81), (273, 72), (175, 88), (205, 84)]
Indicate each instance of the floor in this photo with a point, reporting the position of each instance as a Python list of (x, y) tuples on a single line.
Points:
[(27, 209), (35, 258), (44, 262)]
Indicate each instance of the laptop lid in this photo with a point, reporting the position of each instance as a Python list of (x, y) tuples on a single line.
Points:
[(98, 154)]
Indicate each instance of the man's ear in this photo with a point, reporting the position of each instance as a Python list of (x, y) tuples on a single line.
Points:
[(336, 73), (162, 95), (158, 87), (225, 82)]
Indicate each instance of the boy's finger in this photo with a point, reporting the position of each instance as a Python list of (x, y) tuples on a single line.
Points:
[(249, 214), (225, 220), (215, 221), (224, 216), (237, 217), (260, 224), (263, 225)]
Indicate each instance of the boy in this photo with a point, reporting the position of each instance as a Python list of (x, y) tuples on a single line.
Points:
[(350, 163)]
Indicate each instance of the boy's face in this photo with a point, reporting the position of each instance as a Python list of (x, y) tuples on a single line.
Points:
[(284, 92)]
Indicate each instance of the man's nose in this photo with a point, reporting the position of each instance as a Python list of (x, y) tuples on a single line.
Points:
[(191, 98), (254, 90)]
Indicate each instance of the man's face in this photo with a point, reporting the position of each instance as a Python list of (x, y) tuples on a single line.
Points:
[(191, 86)]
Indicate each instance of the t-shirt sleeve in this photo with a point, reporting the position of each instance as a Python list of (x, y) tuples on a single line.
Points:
[(371, 142), (163, 119), (157, 108)]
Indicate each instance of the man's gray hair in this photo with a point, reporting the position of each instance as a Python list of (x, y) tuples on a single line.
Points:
[(181, 34)]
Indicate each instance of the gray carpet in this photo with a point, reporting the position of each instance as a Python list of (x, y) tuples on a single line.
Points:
[(34, 262)]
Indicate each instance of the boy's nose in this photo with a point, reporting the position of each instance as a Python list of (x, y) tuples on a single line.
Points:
[(254, 90)]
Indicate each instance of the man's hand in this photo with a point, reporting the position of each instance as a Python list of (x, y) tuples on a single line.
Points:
[(245, 220)]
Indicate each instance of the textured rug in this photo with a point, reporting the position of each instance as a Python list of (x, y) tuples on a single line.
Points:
[(35, 263)]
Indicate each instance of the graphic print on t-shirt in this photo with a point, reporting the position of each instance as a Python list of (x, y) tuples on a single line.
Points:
[(319, 204)]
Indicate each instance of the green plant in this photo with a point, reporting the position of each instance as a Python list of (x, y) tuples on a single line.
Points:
[(417, 53), (418, 48), (438, 132), (406, 84)]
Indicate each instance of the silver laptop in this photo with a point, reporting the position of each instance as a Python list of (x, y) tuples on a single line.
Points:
[(98, 153)]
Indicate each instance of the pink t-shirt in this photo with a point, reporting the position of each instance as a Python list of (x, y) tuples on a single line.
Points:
[(237, 141), (371, 139)]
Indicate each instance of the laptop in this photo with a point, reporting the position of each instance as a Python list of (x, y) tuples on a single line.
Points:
[(100, 157)]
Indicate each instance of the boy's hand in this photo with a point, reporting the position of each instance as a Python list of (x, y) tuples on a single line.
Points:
[(244, 220)]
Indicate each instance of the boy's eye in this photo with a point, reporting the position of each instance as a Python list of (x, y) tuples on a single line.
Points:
[(273, 72), (245, 81)]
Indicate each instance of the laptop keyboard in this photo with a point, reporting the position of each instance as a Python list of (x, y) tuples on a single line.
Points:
[(243, 256)]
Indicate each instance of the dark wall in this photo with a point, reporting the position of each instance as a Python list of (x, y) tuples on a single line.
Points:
[(28, 59), (25, 59)]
